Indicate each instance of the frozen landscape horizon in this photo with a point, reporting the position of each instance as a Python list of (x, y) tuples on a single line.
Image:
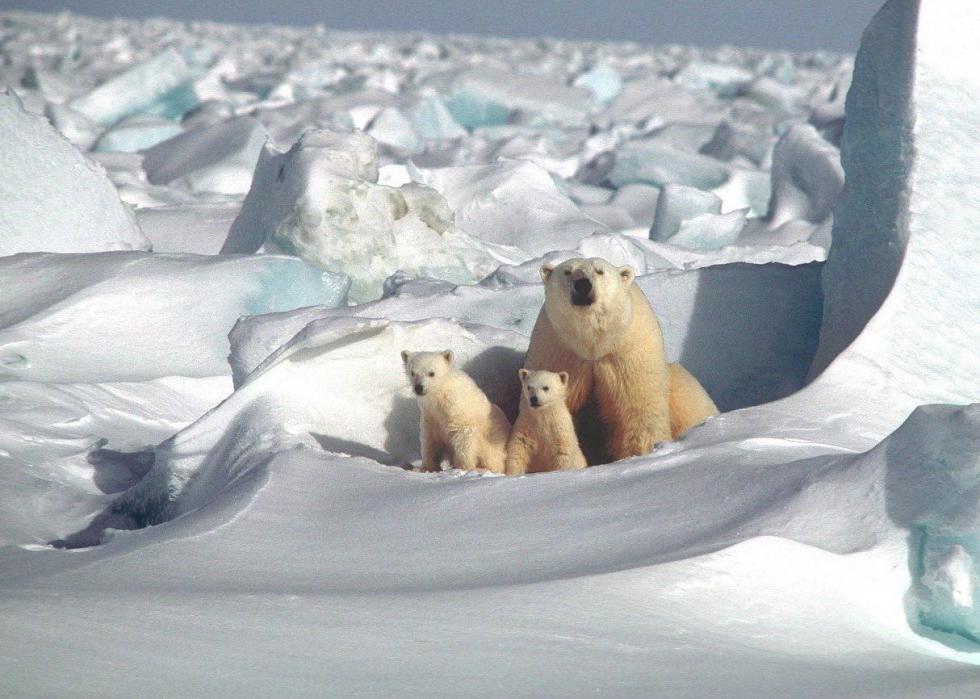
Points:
[(216, 239)]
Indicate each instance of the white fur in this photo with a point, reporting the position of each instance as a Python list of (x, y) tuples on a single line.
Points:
[(458, 421)]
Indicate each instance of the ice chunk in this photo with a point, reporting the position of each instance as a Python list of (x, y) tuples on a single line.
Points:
[(137, 133), (710, 231), (321, 201), (161, 86), (933, 484), (807, 177), (194, 228), (219, 158), (648, 162), (163, 315), (392, 128), (77, 128), (511, 203), (640, 200), (663, 101), (432, 120), (678, 203), (736, 138), (488, 96), (52, 198), (724, 80), (603, 81)]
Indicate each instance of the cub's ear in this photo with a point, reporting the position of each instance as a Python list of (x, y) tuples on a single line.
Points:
[(405, 355), (563, 377), (627, 274), (448, 356), (523, 373), (546, 271)]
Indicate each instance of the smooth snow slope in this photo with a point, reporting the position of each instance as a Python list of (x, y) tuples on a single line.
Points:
[(821, 545)]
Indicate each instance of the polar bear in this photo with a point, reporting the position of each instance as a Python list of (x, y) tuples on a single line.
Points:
[(543, 438), (597, 326), (458, 421)]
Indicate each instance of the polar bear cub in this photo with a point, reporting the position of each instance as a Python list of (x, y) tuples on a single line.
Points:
[(459, 423), (544, 436)]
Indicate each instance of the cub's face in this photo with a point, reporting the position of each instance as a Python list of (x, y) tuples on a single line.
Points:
[(425, 369), (542, 388), (585, 284)]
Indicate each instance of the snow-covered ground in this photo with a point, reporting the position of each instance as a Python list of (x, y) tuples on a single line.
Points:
[(215, 240)]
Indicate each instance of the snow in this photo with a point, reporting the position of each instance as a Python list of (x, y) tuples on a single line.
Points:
[(52, 197), (819, 538), (58, 312)]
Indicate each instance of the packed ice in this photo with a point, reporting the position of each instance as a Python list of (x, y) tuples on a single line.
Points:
[(215, 241)]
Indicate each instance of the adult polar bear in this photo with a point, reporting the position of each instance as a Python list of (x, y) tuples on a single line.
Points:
[(597, 325)]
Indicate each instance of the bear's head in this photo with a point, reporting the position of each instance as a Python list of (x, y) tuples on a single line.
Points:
[(425, 369), (541, 388), (589, 303)]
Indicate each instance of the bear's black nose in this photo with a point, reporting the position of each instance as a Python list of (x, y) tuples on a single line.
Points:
[(582, 286), (533, 400), (419, 390)]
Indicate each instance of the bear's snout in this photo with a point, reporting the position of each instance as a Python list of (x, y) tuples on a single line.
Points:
[(582, 292), (534, 401), (419, 390)]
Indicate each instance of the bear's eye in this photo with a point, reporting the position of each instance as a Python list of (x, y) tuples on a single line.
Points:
[(599, 271), (431, 374), (545, 388), (568, 272)]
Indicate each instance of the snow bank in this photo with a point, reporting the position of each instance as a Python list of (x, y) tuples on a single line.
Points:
[(136, 316), (51, 197), (901, 298), (294, 393)]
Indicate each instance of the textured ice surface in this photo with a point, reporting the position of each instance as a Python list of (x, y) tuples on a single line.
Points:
[(159, 86), (320, 200), (52, 198), (163, 315), (511, 203)]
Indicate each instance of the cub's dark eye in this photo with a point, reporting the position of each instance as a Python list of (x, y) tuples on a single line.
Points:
[(432, 373), (568, 272), (545, 389), (599, 271)]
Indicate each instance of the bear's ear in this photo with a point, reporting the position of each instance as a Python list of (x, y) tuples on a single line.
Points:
[(546, 271), (448, 356), (405, 355), (523, 373), (563, 377), (627, 274)]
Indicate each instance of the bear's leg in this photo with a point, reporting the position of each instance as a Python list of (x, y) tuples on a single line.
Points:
[(433, 447), (632, 395), (690, 404), (464, 446), (519, 451), (566, 460)]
